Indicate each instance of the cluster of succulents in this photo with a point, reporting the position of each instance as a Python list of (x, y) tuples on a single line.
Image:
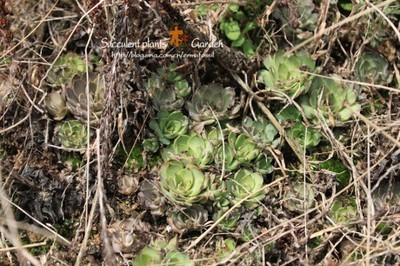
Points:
[(287, 75), (168, 88)]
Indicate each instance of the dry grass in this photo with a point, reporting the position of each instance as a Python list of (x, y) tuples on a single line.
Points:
[(370, 151)]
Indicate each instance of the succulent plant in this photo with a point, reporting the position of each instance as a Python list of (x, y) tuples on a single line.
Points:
[(245, 150), (212, 102), (263, 164), (151, 145), (151, 198), (299, 198), (244, 183), (167, 89), (72, 134), (327, 99), (174, 257), (224, 247), (306, 137), (131, 159), (284, 74), (230, 222), (343, 209), (261, 131), (148, 256), (162, 253), (373, 68), (55, 105), (183, 184), (127, 184), (188, 219), (168, 126), (78, 102), (65, 68), (190, 148), (301, 20), (338, 169), (129, 235), (226, 156)]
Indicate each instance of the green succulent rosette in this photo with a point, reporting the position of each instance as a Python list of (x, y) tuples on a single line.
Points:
[(243, 183), (168, 89), (72, 134), (188, 219), (184, 184), (245, 150), (167, 126), (213, 102), (190, 148), (65, 68), (230, 222), (327, 100), (225, 156), (344, 210), (306, 137), (284, 74), (299, 198), (373, 68), (148, 256), (261, 131), (77, 98)]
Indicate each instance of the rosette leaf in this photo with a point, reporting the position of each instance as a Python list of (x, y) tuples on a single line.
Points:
[(285, 74), (244, 183), (183, 184), (328, 100), (72, 134), (151, 198), (55, 105), (263, 164), (168, 126), (191, 149), (261, 131), (211, 102), (188, 219), (79, 102), (373, 68)]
